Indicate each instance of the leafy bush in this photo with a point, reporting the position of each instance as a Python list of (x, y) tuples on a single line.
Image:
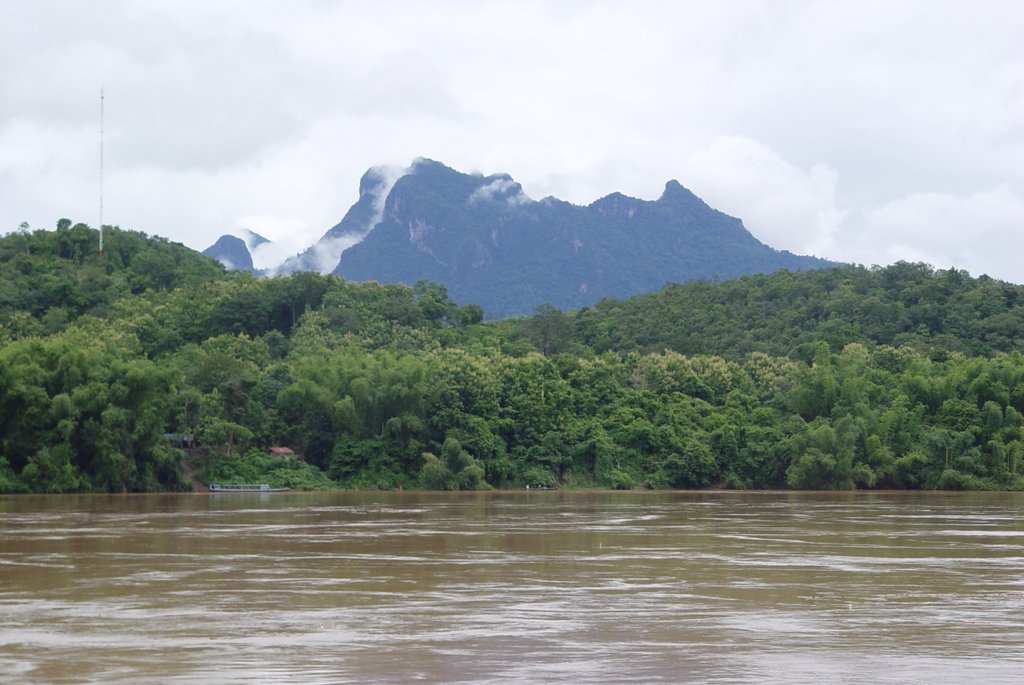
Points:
[(257, 467)]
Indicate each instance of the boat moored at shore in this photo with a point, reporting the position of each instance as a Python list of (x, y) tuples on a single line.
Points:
[(244, 487)]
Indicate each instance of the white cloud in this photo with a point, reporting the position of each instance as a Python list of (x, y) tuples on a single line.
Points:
[(511, 191), (783, 205), (980, 232), (325, 252), (42, 165), (793, 208), (287, 241), (813, 122), (386, 177)]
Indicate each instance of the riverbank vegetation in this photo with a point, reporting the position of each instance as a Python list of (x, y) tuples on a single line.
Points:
[(131, 373)]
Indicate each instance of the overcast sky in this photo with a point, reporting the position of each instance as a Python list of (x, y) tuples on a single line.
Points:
[(860, 131)]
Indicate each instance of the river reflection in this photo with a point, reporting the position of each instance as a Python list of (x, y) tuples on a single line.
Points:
[(512, 587)]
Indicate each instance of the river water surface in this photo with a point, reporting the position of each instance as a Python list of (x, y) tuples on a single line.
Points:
[(512, 587)]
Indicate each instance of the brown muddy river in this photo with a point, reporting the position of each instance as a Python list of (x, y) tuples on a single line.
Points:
[(512, 587)]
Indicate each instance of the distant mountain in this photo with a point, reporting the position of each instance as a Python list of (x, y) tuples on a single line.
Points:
[(234, 252), (489, 243)]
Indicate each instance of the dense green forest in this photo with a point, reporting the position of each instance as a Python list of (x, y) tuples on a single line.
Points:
[(152, 366)]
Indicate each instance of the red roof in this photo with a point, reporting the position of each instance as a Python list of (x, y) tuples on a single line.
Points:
[(281, 450)]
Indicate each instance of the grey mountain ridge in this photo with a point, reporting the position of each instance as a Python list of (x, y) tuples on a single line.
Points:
[(490, 244), (232, 251)]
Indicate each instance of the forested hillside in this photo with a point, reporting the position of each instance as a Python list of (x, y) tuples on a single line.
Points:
[(48, 278), (490, 244), (901, 305), (133, 373)]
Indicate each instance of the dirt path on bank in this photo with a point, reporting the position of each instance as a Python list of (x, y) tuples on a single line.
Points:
[(186, 464)]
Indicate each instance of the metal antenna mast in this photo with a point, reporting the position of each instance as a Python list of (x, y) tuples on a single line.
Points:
[(101, 173)]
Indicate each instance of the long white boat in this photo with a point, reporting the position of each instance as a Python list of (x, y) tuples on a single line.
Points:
[(245, 487)]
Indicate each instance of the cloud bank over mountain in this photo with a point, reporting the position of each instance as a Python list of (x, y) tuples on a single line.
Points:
[(822, 124)]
